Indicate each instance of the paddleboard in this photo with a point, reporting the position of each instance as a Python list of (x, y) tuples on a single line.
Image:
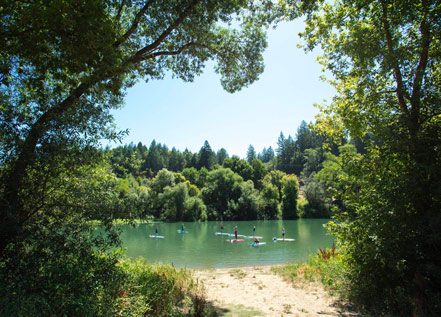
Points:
[(156, 236), (229, 234), (254, 237), (257, 244), (182, 231), (222, 234), (281, 239), (235, 240)]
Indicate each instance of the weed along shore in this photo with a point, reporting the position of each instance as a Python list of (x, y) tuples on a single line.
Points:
[(261, 291)]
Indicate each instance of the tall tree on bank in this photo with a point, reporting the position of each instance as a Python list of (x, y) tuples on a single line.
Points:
[(290, 193), (65, 65), (251, 154), (207, 157), (388, 88)]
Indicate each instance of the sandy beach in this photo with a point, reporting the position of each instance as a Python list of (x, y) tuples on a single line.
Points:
[(257, 291)]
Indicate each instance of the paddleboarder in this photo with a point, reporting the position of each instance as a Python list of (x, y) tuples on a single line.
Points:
[(283, 233), (235, 232)]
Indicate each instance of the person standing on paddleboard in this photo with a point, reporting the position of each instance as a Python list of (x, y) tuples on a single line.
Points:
[(283, 233), (156, 231), (235, 232)]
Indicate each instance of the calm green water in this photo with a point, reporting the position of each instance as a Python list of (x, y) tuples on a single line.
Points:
[(201, 248)]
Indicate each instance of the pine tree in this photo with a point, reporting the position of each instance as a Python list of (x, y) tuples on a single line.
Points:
[(207, 158), (251, 154)]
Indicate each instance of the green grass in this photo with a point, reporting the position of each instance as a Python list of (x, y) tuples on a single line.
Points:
[(325, 267)]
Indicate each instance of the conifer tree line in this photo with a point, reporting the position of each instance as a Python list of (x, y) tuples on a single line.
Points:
[(285, 183)]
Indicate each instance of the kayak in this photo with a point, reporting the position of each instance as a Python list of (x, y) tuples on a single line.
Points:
[(182, 231), (254, 244), (281, 239), (156, 236), (235, 240)]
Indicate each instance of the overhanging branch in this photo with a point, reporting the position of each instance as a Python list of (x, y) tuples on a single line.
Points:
[(422, 63), (135, 22), (397, 72), (145, 50)]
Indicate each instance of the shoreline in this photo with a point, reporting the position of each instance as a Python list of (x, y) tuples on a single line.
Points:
[(258, 291)]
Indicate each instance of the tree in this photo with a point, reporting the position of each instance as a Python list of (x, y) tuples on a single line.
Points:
[(172, 201), (240, 167), (176, 161), (387, 87), (275, 178), (154, 161), (207, 158), (223, 187), (270, 206), (221, 155), (247, 205), (251, 154), (266, 155), (65, 65), (290, 193), (259, 172), (318, 201), (313, 162)]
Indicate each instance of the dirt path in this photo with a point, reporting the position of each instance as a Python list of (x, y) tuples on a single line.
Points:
[(256, 291)]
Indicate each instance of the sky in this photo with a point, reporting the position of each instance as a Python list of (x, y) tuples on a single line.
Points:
[(184, 115)]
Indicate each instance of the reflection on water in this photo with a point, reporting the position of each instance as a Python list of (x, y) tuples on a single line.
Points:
[(200, 247)]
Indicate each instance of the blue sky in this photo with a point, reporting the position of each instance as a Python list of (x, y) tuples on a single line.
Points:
[(184, 115)]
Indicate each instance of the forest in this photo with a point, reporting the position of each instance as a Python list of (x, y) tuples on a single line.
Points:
[(172, 185), (371, 160)]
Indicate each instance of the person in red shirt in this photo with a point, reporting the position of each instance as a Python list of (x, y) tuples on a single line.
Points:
[(235, 232)]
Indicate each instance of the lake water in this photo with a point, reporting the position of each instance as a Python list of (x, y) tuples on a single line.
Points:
[(201, 248)]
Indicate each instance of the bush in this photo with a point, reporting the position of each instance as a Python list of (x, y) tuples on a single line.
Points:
[(158, 290), (58, 273), (326, 267)]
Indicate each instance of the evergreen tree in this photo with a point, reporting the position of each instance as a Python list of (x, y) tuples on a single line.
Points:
[(176, 160), (221, 155), (281, 144), (207, 158), (251, 154), (266, 155), (153, 162)]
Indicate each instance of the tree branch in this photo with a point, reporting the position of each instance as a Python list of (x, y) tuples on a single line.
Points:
[(121, 6), (422, 64), (396, 67), (26, 156), (165, 53), (143, 52), (135, 23)]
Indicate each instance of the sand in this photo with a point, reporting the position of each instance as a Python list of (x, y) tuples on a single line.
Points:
[(257, 291)]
